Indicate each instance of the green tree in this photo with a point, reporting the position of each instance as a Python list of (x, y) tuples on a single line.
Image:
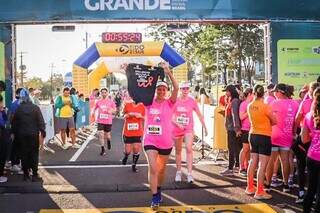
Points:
[(34, 82)]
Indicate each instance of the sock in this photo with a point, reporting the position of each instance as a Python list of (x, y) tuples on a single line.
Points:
[(125, 158), (102, 150), (135, 158), (109, 144), (159, 189)]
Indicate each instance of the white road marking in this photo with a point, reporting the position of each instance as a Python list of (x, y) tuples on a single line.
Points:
[(80, 150), (113, 166)]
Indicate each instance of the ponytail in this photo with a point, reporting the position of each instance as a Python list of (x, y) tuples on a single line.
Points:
[(258, 91), (316, 108)]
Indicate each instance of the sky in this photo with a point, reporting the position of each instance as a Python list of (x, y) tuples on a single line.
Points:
[(43, 48)]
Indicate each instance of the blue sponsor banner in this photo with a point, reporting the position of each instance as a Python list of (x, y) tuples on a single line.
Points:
[(83, 115), (93, 10)]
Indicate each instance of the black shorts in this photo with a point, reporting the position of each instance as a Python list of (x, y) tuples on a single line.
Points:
[(131, 140), (160, 151), (260, 144), (104, 127), (244, 136)]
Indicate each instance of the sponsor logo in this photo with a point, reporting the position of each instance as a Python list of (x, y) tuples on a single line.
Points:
[(103, 5), (131, 49), (316, 50), (290, 49)]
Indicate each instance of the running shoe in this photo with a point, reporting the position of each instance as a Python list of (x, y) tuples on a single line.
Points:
[(262, 196), (189, 178), (3, 179), (64, 146), (155, 202), (290, 182), (134, 168), (76, 146), (15, 168), (178, 177), (286, 188), (267, 188), (300, 197), (227, 172), (109, 145), (249, 191), (243, 173), (275, 182), (102, 151)]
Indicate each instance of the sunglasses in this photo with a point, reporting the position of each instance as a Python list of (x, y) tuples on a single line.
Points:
[(184, 88)]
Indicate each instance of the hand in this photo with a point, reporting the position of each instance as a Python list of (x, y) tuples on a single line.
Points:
[(205, 132), (165, 66), (238, 133)]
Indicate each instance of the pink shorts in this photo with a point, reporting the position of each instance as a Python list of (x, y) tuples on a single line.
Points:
[(177, 133)]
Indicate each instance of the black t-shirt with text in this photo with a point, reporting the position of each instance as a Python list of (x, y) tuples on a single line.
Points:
[(142, 80)]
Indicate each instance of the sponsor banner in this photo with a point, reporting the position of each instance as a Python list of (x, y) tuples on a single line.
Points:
[(298, 61), (47, 113), (74, 10), (241, 208), (208, 115)]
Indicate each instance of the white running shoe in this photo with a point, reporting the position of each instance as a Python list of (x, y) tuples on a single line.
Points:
[(3, 179), (76, 146), (178, 176), (64, 146), (189, 178), (15, 168)]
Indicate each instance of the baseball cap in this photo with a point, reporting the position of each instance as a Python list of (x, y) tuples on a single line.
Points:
[(162, 83), (270, 86), (184, 85), (280, 88)]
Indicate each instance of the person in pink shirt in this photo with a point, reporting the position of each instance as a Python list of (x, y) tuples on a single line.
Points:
[(245, 127), (105, 108), (311, 132), (285, 110), (269, 97), (158, 138), (301, 149), (183, 128)]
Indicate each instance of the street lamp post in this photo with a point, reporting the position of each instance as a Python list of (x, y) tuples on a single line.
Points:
[(51, 79)]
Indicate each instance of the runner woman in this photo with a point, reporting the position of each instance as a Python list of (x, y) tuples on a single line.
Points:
[(183, 128), (301, 149), (245, 127), (106, 108), (311, 132), (285, 110), (261, 120), (158, 141), (132, 130)]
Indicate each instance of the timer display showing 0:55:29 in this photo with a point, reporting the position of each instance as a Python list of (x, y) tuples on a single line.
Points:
[(121, 37)]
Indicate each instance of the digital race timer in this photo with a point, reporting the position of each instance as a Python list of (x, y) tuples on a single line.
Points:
[(121, 37)]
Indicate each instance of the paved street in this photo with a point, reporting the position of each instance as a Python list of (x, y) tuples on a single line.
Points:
[(87, 181)]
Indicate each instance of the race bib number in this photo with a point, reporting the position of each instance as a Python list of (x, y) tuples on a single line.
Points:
[(103, 116), (183, 120), (133, 126), (154, 130)]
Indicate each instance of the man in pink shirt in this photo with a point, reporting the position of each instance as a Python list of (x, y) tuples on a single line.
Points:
[(106, 108)]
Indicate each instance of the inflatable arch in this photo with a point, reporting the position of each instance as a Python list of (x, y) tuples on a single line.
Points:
[(85, 82)]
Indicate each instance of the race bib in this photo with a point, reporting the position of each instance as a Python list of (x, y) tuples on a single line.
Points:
[(103, 116), (133, 126), (154, 130), (183, 120)]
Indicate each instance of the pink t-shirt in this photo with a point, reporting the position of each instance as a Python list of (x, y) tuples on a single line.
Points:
[(104, 115), (269, 99), (245, 123), (158, 124), (305, 106), (183, 115), (285, 111), (314, 150)]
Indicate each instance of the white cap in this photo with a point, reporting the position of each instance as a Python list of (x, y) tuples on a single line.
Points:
[(162, 83), (184, 85)]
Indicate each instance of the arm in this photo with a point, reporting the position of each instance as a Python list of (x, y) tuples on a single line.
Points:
[(41, 123), (175, 90), (271, 116), (305, 135), (235, 115), (243, 114), (200, 116)]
